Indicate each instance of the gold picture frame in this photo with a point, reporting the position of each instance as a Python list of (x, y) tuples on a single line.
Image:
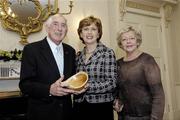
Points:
[(25, 16)]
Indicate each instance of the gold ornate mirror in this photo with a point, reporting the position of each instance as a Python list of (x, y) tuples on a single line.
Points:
[(26, 16)]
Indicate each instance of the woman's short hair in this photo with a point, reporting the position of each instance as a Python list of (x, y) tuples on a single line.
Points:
[(137, 34), (87, 22)]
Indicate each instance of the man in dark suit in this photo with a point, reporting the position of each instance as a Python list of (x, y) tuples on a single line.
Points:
[(42, 73)]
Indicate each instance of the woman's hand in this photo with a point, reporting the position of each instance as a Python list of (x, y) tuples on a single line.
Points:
[(77, 92), (117, 105)]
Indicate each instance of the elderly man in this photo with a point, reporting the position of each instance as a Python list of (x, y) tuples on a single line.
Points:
[(44, 65)]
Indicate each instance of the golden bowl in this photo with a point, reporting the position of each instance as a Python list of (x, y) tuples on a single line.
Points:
[(77, 81)]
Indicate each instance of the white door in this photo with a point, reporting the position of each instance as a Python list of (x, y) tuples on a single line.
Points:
[(150, 28)]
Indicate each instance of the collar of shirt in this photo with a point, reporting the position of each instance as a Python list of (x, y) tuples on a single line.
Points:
[(53, 45)]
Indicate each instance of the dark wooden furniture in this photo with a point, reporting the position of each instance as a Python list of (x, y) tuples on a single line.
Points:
[(13, 106)]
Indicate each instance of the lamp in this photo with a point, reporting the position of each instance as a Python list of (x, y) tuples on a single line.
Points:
[(27, 16), (70, 8)]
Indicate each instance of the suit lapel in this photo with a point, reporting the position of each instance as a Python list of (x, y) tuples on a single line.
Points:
[(48, 55), (66, 60)]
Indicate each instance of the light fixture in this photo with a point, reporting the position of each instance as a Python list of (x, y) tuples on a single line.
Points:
[(70, 8)]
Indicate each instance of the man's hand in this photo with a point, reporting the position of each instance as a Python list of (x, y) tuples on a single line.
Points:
[(56, 89)]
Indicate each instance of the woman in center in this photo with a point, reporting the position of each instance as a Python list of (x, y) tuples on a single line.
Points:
[(99, 61)]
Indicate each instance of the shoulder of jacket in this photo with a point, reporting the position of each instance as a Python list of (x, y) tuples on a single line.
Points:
[(78, 53)]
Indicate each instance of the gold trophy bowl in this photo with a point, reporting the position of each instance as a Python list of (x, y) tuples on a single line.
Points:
[(77, 81)]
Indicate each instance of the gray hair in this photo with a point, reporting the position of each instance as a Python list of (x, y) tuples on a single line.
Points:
[(137, 34), (50, 19)]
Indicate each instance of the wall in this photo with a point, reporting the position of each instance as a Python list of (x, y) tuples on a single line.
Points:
[(114, 23), (174, 46), (175, 41), (81, 9)]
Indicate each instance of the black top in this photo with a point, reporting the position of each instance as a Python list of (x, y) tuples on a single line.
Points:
[(140, 88)]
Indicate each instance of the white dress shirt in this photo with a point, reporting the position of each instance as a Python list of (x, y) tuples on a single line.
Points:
[(58, 53)]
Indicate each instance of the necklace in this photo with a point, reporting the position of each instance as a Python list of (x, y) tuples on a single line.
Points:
[(89, 52), (88, 55)]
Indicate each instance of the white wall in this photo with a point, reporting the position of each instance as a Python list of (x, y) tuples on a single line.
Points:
[(84, 8), (174, 45)]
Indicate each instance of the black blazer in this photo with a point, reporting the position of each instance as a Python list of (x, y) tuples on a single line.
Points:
[(38, 71)]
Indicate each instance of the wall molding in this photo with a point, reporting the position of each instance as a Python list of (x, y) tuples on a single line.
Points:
[(168, 10), (136, 5)]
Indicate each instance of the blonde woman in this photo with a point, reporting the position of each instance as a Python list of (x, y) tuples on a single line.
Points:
[(140, 90)]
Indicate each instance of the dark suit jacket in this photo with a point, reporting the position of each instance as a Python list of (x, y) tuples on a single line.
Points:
[(38, 71)]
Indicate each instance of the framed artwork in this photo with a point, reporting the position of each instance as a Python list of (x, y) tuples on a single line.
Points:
[(10, 70), (10, 63)]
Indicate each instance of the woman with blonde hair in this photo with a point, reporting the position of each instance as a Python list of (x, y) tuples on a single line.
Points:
[(140, 94)]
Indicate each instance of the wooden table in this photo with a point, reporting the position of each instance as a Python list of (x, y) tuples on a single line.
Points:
[(9, 94)]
